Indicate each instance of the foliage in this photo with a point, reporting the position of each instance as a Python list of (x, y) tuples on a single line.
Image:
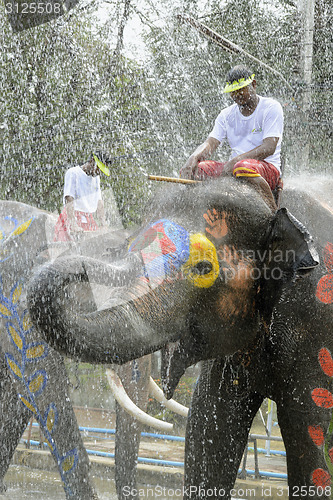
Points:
[(63, 95), (66, 88), (193, 71), (89, 385)]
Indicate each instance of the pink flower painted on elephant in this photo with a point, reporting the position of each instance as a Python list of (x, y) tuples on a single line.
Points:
[(325, 285), (326, 361), (324, 399), (316, 434), (321, 478)]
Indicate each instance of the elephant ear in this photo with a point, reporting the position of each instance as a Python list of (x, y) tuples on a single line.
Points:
[(289, 254)]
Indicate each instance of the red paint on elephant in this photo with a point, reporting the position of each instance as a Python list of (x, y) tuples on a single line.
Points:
[(321, 478), (325, 285), (316, 434), (328, 257), (326, 361), (330, 453), (164, 245), (322, 397)]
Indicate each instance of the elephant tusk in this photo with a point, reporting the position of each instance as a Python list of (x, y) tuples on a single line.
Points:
[(127, 404), (170, 404)]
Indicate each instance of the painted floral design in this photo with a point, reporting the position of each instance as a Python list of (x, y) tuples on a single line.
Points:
[(164, 247), (324, 399), (325, 285), (26, 353)]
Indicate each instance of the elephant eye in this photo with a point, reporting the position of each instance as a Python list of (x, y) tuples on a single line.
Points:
[(203, 267)]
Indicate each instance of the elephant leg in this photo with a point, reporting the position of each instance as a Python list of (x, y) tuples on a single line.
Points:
[(43, 392), (135, 378), (58, 422), (307, 433), (14, 418), (217, 431), (128, 436)]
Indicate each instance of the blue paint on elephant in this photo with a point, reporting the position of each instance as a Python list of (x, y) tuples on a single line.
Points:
[(164, 246), (18, 328)]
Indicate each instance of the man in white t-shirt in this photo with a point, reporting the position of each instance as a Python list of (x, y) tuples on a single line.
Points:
[(82, 199), (253, 127)]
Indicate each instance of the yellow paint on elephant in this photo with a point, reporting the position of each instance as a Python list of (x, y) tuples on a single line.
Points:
[(22, 227), (17, 294), (49, 444), (27, 323), (68, 463), (4, 311), (27, 404), (36, 383), (50, 420), (35, 351), (14, 367), (201, 250), (16, 337)]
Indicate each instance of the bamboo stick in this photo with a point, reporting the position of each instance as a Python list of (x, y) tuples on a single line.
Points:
[(228, 45), (171, 179)]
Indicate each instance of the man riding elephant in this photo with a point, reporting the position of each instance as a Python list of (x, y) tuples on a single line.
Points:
[(253, 127)]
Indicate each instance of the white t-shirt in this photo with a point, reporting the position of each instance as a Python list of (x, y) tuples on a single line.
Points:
[(244, 133), (85, 189)]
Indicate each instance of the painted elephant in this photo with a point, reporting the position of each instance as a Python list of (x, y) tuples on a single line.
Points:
[(219, 276), (34, 229)]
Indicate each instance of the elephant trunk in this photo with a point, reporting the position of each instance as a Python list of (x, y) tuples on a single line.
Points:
[(130, 329)]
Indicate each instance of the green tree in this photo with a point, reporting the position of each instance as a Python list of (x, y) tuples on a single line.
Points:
[(64, 93)]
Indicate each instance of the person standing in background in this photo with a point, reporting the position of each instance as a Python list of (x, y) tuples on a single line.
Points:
[(82, 200)]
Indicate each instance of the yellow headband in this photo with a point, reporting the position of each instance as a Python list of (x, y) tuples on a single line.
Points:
[(101, 165), (238, 84)]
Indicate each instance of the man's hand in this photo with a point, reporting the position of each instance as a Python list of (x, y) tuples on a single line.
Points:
[(190, 170), (190, 167)]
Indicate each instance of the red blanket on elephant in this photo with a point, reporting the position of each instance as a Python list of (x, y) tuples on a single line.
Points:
[(243, 168), (84, 220)]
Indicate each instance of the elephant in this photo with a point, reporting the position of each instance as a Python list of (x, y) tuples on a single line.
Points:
[(212, 276), (16, 222)]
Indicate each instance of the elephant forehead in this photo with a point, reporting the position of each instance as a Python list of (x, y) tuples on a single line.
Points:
[(225, 226)]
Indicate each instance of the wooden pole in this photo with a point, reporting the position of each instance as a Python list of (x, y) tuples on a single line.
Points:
[(306, 9), (172, 179), (228, 45)]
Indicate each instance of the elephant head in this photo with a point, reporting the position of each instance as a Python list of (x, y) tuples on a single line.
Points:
[(205, 272)]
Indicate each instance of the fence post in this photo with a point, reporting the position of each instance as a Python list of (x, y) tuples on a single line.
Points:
[(269, 427)]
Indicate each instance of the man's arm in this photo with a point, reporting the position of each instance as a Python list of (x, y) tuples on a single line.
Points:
[(73, 225), (204, 151), (261, 152)]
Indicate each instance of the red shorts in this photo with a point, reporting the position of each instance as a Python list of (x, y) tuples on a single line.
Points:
[(83, 219), (243, 168)]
